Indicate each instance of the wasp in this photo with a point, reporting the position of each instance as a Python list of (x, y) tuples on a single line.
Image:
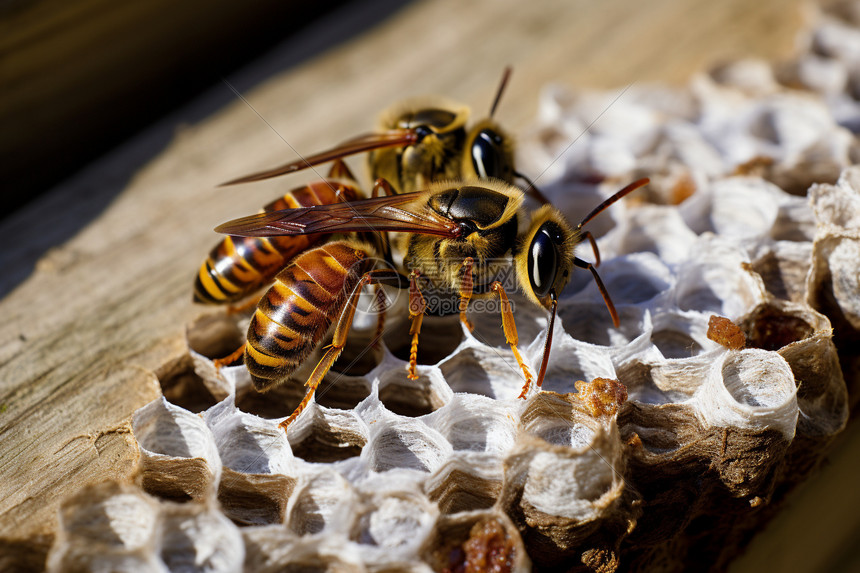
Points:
[(455, 231), (418, 141), (422, 140)]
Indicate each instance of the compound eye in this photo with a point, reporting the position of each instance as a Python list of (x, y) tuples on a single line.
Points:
[(542, 261), (488, 156)]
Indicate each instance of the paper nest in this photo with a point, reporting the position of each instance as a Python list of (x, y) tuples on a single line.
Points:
[(386, 474)]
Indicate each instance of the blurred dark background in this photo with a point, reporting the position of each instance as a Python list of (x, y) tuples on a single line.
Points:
[(80, 77)]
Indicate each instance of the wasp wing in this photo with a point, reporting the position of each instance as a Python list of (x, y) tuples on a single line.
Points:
[(367, 142), (391, 213)]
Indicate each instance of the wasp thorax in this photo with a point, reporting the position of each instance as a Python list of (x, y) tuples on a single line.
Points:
[(487, 215), (436, 153)]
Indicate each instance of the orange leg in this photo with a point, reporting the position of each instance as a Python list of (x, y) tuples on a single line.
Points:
[(466, 287), (334, 350), (384, 186), (230, 358), (417, 306), (339, 170), (511, 337), (242, 307)]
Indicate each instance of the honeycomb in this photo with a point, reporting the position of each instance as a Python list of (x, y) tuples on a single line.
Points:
[(664, 441)]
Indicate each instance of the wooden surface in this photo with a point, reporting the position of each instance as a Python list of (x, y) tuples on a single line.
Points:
[(105, 310), (79, 76)]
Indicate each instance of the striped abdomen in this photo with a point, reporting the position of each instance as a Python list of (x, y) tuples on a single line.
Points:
[(297, 311), (239, 266)]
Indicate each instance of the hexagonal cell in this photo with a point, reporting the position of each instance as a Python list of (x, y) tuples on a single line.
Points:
[(560, 420), (277, 402), (488, 371), (323, 501), (276, 549), (247, 443), (637, 376), (112, 516), (329, 437), (740, 207), (198, 538), (466, 482), (635, 278), (750, 389), (342, 391), (716, 279), (770, 328), (783, 267), (405, 443), (216, 333), (256, 483), (477, 424), (675, 344), (335, 391), (652, 235), (357, 359), (681, 334), (412, 398), (440, 335), (571, 360), (476, 541), (558, 493), (360, 355), (178, 456), (254, 499), (394, 522), (591, 322), (107, 527), (486, 319), (182, 386)]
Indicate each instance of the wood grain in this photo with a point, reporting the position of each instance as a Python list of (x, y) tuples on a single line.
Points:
[(105, 310)]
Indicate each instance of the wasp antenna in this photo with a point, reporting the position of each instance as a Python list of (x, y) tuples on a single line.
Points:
[(601, 287), (626, 191), (505, 75), (533, 190), (548, 341)]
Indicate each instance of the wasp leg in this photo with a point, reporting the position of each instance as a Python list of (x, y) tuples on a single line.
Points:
[(382, 185), (466, 287), (242, 307), (417, 306), (532, 189), (590, 237), (344, 322), (511, 336), (339, 170), (603, 292), (230, 358)]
